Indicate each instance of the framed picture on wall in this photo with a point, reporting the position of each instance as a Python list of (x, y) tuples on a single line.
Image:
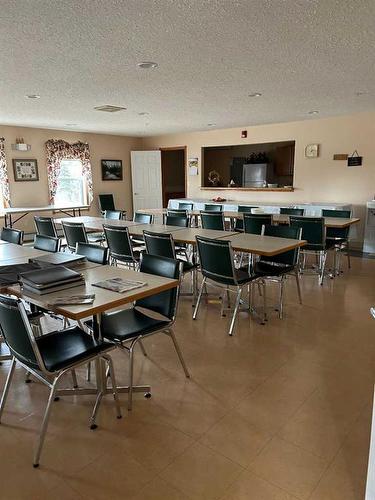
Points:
[(112, 170), (25, 170)]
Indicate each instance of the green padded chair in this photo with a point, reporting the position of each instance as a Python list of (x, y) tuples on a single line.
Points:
[(213, 220), (12, 235), (148, 316), (120, 246), (217, 267), (298, 212), (113, 214), (45, 226), (278, 267), (49, 357), (314, 232), (46, 243), (186, 206), (253, 223), (210, 207), (143, 219), (339, 236), (93, 253), (106, 202), (238, 225)]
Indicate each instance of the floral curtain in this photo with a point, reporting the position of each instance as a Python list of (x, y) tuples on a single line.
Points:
[(4, 181), (58, 150)]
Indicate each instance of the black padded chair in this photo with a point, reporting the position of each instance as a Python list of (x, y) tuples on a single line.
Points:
[(338, 236), (45, 226), (143, 218), (74, 233), (213, 220), (298, 212), (47, 243), (314, 232), (253, 223), (210, 207), (49, 357), (12, 235), (106, 202), (113, 214), (278, 267), (242, 209), (217, 267), (172, 220), (151, 315), (93, 253), (120, 246)]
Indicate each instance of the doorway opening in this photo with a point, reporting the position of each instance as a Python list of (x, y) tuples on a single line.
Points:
[(173, 173)]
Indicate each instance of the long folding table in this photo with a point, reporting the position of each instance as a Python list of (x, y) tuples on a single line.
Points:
[(70, 210)]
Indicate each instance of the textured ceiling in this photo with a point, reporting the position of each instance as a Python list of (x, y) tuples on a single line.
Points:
[(301, 55)]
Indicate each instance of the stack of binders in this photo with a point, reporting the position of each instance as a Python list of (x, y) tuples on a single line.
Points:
[(51, 279)]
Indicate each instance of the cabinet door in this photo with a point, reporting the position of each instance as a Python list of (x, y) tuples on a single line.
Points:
[(284, 160)]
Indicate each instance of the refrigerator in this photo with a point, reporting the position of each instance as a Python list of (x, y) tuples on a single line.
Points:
[(255, 175)]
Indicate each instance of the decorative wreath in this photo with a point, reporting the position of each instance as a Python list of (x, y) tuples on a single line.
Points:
[(214, 178)]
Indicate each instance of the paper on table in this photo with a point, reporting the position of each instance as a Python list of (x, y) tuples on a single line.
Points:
[(73, 300), (119, 285)]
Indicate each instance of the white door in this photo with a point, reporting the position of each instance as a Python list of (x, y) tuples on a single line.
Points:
[(146, 179)]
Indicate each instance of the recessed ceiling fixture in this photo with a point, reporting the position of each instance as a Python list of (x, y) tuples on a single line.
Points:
[(70, 124), (143, 113), (147, 65), (32, 96), (313, 112), (108, 108), (211, 124), (359, 93), (255, 94)]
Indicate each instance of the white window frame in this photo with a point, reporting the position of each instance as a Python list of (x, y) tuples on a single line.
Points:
[(84, 199)]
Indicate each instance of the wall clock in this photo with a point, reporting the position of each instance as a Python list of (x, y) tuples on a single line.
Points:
[(312, 151)]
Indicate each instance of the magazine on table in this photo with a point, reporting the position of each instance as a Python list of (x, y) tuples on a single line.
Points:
[(119, 285), (72, 300)]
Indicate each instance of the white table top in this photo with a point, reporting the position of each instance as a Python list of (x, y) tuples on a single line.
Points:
[(44, 208)]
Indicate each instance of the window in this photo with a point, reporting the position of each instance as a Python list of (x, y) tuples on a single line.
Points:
[(71, 185)]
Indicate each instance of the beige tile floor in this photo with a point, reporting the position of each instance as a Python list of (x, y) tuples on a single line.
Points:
[(278, 412)]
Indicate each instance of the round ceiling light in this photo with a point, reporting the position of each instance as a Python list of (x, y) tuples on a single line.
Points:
[(143, 113), (147, 65), (211, 124), (33, 96), (255, 94), (313, 112)]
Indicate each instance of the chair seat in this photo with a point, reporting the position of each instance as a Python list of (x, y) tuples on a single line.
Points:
[(63, 348), (129, 323), (187, 266), (95, 237), (319, 248), (272, 269), (242, 277)]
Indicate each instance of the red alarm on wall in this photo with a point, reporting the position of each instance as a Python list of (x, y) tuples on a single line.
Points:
[(243, 134)]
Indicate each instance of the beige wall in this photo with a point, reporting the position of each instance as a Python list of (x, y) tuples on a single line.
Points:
[(101, 147), (315, 180)]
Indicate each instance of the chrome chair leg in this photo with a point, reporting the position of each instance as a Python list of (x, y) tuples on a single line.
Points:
[(264, 303), (348, 254), (235, 312), (7, 385), (281, 297), (298, 285), (323, 258), (142, 348), (44, 426), (131, 369), (111, 373), (171, 334), (203, 285), (95, 410)]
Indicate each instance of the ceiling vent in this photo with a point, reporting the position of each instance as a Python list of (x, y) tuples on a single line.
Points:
[(107, 108)]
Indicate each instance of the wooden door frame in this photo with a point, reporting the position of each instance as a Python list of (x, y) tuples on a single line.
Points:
[(173, 148)]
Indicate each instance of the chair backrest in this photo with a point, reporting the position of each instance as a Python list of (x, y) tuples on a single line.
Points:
[(289, 258), (119, 244), (47, 243), (185, 206), (113, 214), (245, 208), (172, 220), (337, 232), (216, 259), (164, 303), (160, 244), (213, 220), (74, 233), (12, 235), (313, 230), (292, 211), (16, 331), (177, 213), (45, 226), (143, 218), (93, 253), (209, 207), (253, 223), (106, 202)]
